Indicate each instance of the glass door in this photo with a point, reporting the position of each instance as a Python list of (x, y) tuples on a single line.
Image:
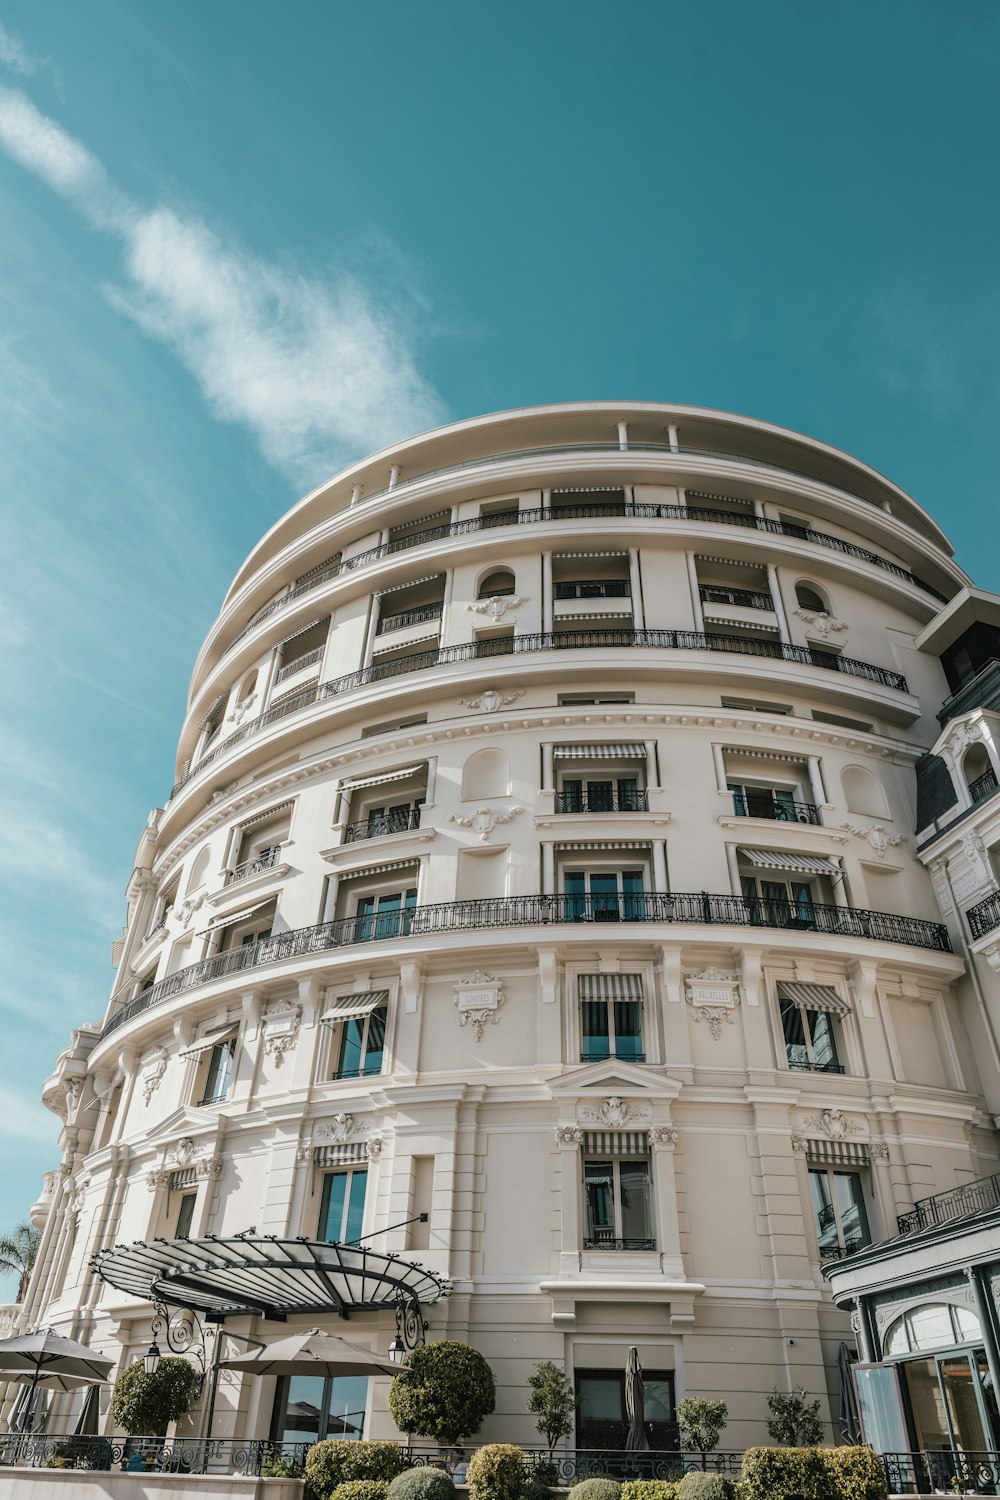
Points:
[(384, 916)]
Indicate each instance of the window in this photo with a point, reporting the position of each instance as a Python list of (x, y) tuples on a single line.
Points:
[(342, 1208), (602, 1421), (185, 1216), (610, 794), (775, 802), (569, 700), (808, 598), (842, 722), (391, 725), (384, 916), (754, 706), (779, 903), (611, 1017), (810, 1040), (617, 1206), (380, 821), (220, 1072), (603, 896), (362, 1044), (311, 1408), (934, 1325), (839, 1203)]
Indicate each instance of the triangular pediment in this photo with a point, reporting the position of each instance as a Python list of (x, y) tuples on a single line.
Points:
[(180, 1122), (613, 1077)]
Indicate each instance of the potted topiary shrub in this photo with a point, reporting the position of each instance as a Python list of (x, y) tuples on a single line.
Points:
[(701, 1423), (496, 1472), (445, 1391), (422, 1484), (143, 1404)]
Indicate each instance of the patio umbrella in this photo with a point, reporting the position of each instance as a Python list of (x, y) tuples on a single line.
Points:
[(850, 1423), (45, 1355), (314, 1352), (90, 1411), (635, 1404)]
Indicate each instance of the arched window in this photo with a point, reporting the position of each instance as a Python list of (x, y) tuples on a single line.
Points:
[(486, 774), (808, 596), (863, 793), (247, 686), (198, 871), (977, 771), (497, 581), (932, 1325)]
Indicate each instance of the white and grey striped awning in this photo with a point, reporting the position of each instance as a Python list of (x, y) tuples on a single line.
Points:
[(328, 562), (838, 1153), (355, 784), (419, 523), (801, 864), (620, 553), (384, 869), (729, 499), (212, 710), (616, 1142), (343, 1154), (322, 620), (184, 1177), (788, 757), (229, 918), (343, 1007), (591, 489), (269, 812), (210, 1039), (596, 844), (411, 583), (731, 562), (744, 624), (610, 986), (627, 750), (814, 997)]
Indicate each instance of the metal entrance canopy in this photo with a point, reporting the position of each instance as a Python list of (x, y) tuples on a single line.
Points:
[(267, 1277)]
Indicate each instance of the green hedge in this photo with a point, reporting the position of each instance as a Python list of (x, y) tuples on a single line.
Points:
[(650, 1489), (700, 1486), (422, 1484), (338, 1461), (361, 1489), (496, 1472), (813, 1473), (597, 1489)]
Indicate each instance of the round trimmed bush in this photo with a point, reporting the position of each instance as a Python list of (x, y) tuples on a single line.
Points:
[(337, 1461), (444, 1392), (496, 1472), (534, 1489), (361, 1489), (597, 1489), (650, 1489), (422, 1484), (695, 1486)]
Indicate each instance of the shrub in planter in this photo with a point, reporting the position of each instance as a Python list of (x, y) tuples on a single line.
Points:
[(781, 1473), (534, 1488), (445, 1392), (704, 1487), (597, 1489), (338, 1461), (496, 1472), (277, 1466), (361, 1489), (650, 1489), (422, 1484), (857, 1472), (143, 1404)]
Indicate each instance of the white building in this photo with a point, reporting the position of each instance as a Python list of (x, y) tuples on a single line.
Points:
[(542, 859)]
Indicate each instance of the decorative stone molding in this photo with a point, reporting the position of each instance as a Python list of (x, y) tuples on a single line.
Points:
[(490, 701), (569, 1135), (799, 1144), (877, 836), (960, 737), (822, 623), (614, 1113), (878, 1151), (210, 1166), (713, 995), (373, 1147), (485, 819), (159, 1177), (184, 913), (186, 1153), (478, 999), (834, 1123), (241, 709), (497, 605), (663, 1136), (280, 1028), (303, 1153), (342, 1127), (152, 1067), (992, 957)]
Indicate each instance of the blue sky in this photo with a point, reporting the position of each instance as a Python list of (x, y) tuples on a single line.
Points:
[(242, 244)]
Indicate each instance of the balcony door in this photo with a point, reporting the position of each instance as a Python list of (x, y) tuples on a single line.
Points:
[(601, 1419), (384, 916), (606, 795), (603, 895)]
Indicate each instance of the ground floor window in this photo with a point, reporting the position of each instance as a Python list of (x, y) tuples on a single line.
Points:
[(601, 1420), (952, 1402), (308, 1408)]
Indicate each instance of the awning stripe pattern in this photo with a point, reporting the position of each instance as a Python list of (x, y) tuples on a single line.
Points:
[(803, 864), (355, 784), (212, 1039), (616, 1142), (392, 864), (321, 620), (610, 986), (266, 1276), (604, 844), (838, 1153), (269, 812), (184, 1177), (411, 583), (228, 918), (814, 997), (627, 751), (344, 1006), (342, 1154)]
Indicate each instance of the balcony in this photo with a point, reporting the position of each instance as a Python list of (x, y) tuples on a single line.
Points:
[(499, 912), (407, 617), (622, 802), (265, 860), (803, 1065), (779, 810), (396, 820), (984, 786), (985, 917), (590, 639), (607, 1054), (971, 1198), (641, 511), (299, 664), (837, 1252), (610, 1243), (713, 593), (602, 588)]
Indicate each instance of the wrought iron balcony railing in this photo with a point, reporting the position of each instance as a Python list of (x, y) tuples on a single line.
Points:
[(594, 510), (407, 617), (602, 1242), (265, 860), (618, 802), (713, 593), (609, 1054), (590, 639), (803, 1065), (971, 1198), (531, 911), (846, 1247), (300, 663), (984, 786), (604, 588), (985, 916), (395, 820), (778, 809)]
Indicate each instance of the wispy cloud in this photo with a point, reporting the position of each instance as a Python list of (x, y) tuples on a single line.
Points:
[(319, 369), (15, 55)]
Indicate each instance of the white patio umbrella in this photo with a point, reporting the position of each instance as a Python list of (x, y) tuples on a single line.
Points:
[(635, 1404), (45, 1358), (314, 1352)]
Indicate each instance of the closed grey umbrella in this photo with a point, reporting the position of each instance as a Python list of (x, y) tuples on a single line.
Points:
[(19, 1411), (86, 1422), (635, 1404)]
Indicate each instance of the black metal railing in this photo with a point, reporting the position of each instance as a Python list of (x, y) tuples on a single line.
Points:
[(640, 510), (566, 1465), (407, 617), (714, 593), (803, 1065), (162, 1455), (590, 639), (219, 1097), (309, 659), (984, 786), (946, 1471), (971, 1198), (609, 1242), (778, 809), (395, 820), (603, 588), (497, 912), (610, 1054), (618, 802), (265, 860), (985, 916), (844, 1247)]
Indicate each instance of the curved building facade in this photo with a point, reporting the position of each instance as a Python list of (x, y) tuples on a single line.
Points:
[(539, 898)]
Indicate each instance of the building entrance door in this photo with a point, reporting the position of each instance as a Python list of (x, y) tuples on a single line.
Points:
[(601, 1420)]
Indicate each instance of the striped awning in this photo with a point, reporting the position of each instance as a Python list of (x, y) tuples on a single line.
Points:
[(591, 489), (838, 1153), (626, 751), (343, 1007), (411, 583), (610, 986), (814, 997), (802, 864), (211, 1039), (322, 620), (227, 919), (616, 1142), (578, 844), (343, 1154), (383, 869), (269, 812), (356, 784), (184, 1177)]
